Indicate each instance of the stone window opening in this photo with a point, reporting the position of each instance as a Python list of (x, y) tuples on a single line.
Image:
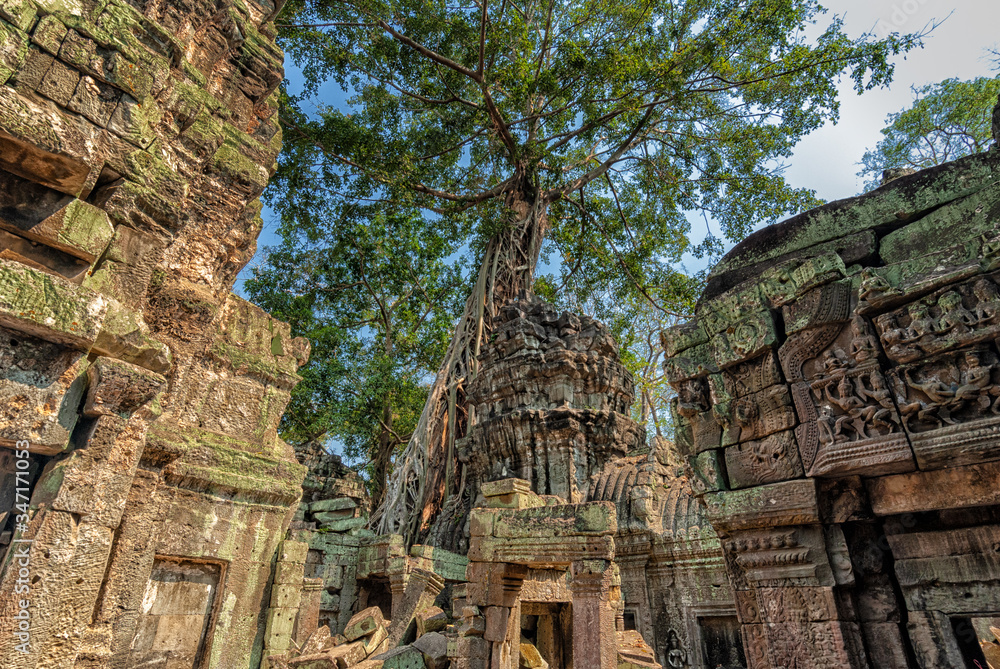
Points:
[(375, 592), (178, 614)]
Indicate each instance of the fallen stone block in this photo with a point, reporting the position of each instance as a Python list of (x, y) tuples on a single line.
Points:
[(364, 623), (349, 654), (316, 642), (530, 657), (404, 657), (434, 646), (634, 652), (369, 664), (431, 619), (314, 661), (373, 642)]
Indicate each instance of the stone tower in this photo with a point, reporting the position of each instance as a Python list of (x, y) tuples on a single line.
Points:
[(143, 488), (550, 403)]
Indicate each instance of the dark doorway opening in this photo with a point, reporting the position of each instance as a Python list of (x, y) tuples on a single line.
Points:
[(548, 626)]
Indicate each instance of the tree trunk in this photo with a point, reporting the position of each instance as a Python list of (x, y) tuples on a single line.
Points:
[(427, 478), (383, 455)]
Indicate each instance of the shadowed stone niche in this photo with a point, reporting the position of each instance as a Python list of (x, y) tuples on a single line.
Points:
[(838, 405), (176, 614), (141, 475)]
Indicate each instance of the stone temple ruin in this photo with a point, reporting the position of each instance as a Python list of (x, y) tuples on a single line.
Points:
[(832, 497)]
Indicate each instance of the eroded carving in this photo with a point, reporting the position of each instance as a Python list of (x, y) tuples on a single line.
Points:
[(951, 318)]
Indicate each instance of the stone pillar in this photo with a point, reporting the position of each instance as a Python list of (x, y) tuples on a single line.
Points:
[(422, 588), (494, 589), (397, 586), (77, 506), (934, 641), (286, 597), (594, 639), (309, 606)]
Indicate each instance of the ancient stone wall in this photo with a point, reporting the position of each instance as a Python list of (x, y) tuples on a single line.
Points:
[(839, 407), (141, 395)]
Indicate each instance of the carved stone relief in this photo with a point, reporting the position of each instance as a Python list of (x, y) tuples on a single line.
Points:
[(769, 460), (950, 318), (950, 406), (848, 422)]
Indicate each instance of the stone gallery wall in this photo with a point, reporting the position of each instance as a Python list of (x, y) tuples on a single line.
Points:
[(139, 398), (839, 407)]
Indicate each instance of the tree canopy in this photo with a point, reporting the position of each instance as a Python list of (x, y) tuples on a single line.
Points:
[(377, 300), (584, 131), (947, 120)]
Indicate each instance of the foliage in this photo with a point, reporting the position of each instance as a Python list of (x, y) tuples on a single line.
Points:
[(589, 127), (947, 120), (379, 318)]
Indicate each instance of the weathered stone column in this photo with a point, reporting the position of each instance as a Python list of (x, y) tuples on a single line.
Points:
[(309, 607), (421, 589), (594, 639)]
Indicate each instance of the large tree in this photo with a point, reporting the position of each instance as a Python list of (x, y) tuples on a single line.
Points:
[(946, 121), (589, 127)]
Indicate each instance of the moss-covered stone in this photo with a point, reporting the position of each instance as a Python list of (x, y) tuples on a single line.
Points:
[(904, 199), (49, 34), (229, 161), (49, 307), (125, 335), (20, 13), (13, 49), (216, 463), (134, 121), (959, 221)]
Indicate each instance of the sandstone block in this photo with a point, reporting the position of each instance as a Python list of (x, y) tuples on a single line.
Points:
[(134, 121), (49, 33), (280, 623), (289, 572), (316, 641), (364, 623), (404, 657), (497, 618), (125, 335), (119, 388), (21, 13), (337, 504), (434, 646), (331, 521), (529, 656), (285, 596), (29, 75), (59, 83), (293, 551), (348, 654), (94, 100), (41, 385), (48, 307), (314, 661), (373, 642), (431, 619)]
